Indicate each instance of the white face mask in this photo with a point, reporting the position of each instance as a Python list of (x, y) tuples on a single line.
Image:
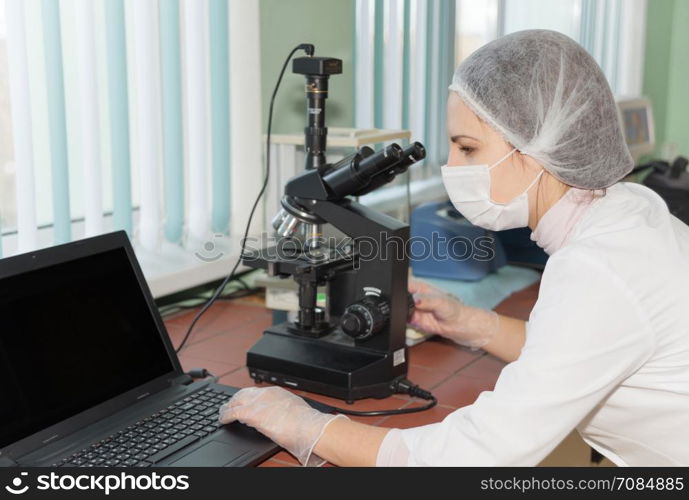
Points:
[(469, 190)]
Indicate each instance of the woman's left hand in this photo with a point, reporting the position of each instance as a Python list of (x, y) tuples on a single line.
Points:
[(282, 416)]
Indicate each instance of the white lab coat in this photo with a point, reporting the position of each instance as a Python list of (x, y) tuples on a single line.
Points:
[(606, 351)]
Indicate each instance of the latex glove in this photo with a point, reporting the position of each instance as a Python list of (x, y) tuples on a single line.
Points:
[(439, 312), (282, 416)]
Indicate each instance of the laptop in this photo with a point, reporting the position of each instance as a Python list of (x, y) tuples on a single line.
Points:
[(88, 376)]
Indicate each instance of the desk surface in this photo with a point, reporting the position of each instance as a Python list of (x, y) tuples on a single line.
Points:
[(454, 374)]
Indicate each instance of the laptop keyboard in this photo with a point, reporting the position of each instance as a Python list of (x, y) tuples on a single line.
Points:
[(156, 437)]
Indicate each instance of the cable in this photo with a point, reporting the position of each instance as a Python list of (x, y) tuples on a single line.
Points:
[(197, 373), (382, 413), (242, 282), (400, 386), (308, 48), (183, 304)]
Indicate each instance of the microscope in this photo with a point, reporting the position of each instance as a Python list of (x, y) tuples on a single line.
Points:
[(354, 347)]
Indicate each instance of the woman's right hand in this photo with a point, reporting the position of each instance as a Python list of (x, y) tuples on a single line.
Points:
[(435, 311), (441, 313)]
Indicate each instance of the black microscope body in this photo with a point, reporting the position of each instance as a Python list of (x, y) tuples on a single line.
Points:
[(355, 347)]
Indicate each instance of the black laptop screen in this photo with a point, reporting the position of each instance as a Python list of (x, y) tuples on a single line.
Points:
[(73, 335)]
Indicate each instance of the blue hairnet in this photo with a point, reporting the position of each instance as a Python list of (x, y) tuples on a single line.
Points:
[(548, 98)]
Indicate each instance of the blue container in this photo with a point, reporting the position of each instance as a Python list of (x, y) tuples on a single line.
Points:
[(445, 245)]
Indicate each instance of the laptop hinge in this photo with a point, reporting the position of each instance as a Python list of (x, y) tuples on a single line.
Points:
[(183, 380)]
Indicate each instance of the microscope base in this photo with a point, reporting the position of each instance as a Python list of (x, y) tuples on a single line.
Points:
[(322, 366)]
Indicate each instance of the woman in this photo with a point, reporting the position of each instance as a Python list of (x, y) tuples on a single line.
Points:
[(535, 141)]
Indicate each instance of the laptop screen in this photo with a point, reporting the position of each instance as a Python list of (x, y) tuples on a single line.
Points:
[(72, 336)]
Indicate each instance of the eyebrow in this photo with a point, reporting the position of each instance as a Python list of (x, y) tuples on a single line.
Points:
[(455, 138)]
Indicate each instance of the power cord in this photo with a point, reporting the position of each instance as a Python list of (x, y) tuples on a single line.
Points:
[(399, 386), (197, 373), (308, 48), (194, 301)]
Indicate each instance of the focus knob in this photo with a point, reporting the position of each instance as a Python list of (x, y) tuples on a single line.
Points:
[(352, 323), (365, 318)]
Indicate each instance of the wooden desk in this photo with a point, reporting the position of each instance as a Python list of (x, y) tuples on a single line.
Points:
[(454, 374)]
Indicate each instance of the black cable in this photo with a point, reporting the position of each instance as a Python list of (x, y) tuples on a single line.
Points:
[(175, 308), (382, 413), (197, 373), (182, 303), (308, 48), (183, 306), (402, 386), (202, 300), (242, 282), (238, 294)]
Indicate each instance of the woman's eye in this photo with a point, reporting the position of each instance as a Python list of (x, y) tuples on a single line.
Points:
[(466, 149)]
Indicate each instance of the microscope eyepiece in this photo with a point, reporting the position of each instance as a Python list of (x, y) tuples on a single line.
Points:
[(411, 154), (358, 176), (414, 152), (354, 172), (380, 161)]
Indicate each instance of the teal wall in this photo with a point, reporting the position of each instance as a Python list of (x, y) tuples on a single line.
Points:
[(666, 73), (677, 124), (329, 25)]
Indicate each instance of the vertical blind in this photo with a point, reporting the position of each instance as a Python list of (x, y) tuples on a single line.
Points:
[(89, 119), (173, 139), (17, 59), (404, 59), (405, 53), (57, 124), (125, 120), (612, 31), (147, 150)]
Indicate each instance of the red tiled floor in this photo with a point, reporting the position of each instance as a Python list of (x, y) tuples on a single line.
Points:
[(285, 458), (226, 314), (227, 347), (435, 414), (519, 304), (426, 378), (441, 355), (238, 378), (487, 367), (460, 390), (176, 333), (221, 317)]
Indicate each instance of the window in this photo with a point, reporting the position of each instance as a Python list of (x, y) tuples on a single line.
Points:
[(611, 30), (417, 36), (130, 114), (429, 38), (476, 24), (8, 214), (564, 17), (118, 114)]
